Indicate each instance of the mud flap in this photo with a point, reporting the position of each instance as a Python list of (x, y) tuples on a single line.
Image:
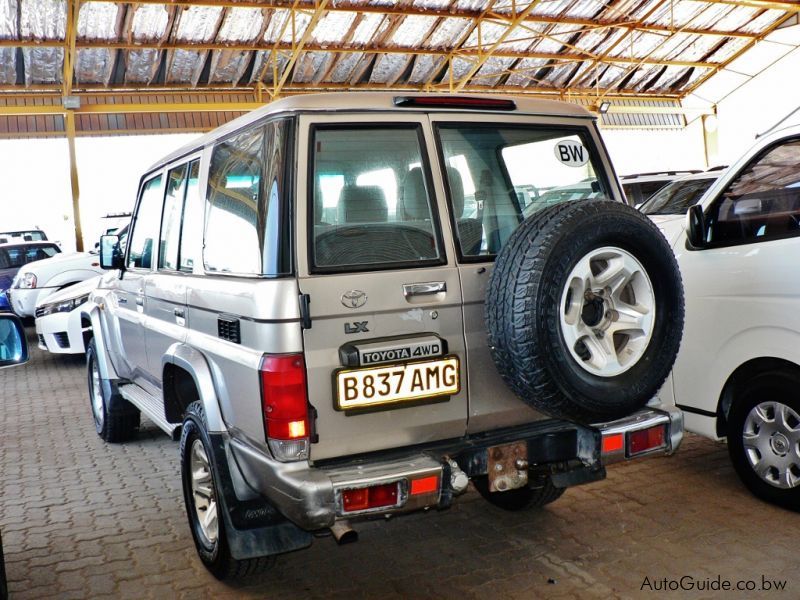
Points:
[(253, 527)]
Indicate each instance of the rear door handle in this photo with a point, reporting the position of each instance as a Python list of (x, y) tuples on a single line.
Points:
[(179, 312), (122, 300), (139, 301), (429, 288)]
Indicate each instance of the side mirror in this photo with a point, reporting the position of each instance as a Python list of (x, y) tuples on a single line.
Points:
[(13, 345), (696, 226), (111, 255)]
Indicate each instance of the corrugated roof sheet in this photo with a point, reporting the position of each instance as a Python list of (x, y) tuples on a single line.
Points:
[(625, 47)]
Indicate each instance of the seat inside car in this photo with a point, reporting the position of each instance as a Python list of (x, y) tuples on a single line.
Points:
[(362, 204)]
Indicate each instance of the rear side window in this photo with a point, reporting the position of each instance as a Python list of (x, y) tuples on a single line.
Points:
[(192, 227), (499, 175), (762, 202), (146, 226), (245, 230), (183, 218), (371, 200), (171, 221)]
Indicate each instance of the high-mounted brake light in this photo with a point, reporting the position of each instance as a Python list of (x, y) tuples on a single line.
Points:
[(467, 102), (284, 401)]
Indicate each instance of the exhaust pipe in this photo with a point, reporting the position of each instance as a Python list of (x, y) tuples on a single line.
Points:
[(343, 533)]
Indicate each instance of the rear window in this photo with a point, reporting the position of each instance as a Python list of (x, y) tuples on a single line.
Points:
[(498, 175), (16, 256), (371, 199)]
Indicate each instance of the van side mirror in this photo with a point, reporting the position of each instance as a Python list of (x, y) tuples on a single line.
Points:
[(13, 345), (696, 226), (111, 255)]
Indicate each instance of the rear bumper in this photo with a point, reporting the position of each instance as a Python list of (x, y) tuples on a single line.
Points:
[(311, 496)]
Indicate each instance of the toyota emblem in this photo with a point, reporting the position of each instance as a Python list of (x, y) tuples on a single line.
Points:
[(354, 299)]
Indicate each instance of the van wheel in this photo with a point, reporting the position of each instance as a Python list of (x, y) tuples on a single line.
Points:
[(202, 501), (764, 438), (522, 498), (115, 419), (585, 310)]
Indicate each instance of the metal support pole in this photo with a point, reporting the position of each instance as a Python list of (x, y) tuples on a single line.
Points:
[(69, 126)]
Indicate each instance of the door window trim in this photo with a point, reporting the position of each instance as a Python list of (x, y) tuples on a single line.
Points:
[(718, 199), (438, 125), (436, 222)]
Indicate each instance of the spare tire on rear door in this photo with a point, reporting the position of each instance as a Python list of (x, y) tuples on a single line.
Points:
[(585, 310)]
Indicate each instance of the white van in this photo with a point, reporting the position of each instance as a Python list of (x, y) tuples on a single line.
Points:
[(738, 371)]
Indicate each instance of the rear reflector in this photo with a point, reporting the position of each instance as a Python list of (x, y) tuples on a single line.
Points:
[(454, 102), (426, 485), (648, 439), (612, 443), (377, 496)]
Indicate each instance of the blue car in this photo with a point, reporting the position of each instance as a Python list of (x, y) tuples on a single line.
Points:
[(14, 256)]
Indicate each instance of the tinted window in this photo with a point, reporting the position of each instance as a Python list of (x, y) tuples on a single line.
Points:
[(675, 198), (763, 202), (171, 219), (497, 176), (245, 204), (192, 228), (16, 256), (145, 227), (371, 202)]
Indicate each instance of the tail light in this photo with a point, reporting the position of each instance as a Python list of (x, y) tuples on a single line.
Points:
[(284, 402), (376, 496), (646, 440)]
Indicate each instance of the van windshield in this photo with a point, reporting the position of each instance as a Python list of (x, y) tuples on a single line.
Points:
[(500, 175)]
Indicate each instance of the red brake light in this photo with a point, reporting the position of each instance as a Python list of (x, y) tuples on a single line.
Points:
[(284, 397), (376, 496), (646, 439), (455, 102)]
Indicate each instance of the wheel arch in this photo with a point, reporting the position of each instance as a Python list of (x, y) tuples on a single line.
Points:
[(743, 373), (92, 318), (186, 378)]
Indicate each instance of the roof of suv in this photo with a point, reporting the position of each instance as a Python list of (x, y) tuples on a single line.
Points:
[(374, 101)]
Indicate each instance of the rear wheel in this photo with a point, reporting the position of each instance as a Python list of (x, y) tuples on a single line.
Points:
[(115, 419), (203, 503), (764, 438), (525, 498)]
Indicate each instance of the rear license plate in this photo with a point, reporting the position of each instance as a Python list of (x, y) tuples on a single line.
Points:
[(375, 387)]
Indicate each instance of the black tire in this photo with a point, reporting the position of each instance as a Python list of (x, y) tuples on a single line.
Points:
[(214, 554), (774, 387), (521, 498), (115, 419), (523, 307)]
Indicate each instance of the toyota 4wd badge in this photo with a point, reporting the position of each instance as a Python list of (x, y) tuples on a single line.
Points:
[(354, 299)]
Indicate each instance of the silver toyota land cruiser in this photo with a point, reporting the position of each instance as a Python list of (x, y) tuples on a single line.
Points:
[(350, 305)]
